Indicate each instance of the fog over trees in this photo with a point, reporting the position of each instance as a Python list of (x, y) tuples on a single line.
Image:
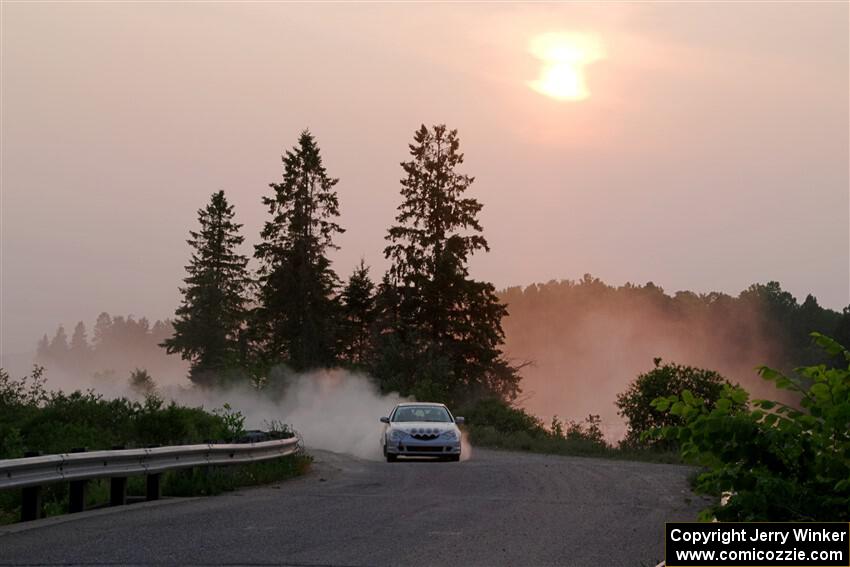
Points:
[(426, 328)]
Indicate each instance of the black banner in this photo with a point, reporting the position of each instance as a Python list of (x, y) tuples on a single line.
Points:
[(758, 544)]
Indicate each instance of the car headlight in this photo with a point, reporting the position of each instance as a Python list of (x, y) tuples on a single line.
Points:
[(450, 434), (396, 435)]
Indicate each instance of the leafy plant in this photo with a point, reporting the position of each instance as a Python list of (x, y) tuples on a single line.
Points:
[(636, 403), (233, 420), (778, 462)]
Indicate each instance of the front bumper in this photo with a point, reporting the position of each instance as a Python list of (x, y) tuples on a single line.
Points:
[(411, 447)]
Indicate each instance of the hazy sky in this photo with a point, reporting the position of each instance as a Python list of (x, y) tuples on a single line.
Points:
[(711, 152)]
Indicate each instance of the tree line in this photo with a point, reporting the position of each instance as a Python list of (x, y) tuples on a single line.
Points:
[(116, 345), (727, 325), (427, 328)]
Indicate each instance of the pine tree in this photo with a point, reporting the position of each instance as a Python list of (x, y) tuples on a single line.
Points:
[(450, 324), (79, 351), (42, 351), (79, 341), (296, 320), (58, 348), (102, 330), (208, 324), (358, 315)]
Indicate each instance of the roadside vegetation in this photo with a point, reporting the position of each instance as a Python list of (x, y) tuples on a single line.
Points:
[(775, 461), (635, 405), (496, 424), (33, 419)]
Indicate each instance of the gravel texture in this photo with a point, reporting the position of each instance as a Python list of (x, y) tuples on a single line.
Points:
[(497, 508)]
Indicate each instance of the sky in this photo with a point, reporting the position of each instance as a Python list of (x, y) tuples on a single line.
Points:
[(701, 146)]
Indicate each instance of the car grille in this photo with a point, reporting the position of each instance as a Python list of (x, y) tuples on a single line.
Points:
[(424, 436), (415, 449)]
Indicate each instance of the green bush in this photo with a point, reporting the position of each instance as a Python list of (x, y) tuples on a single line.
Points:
[(635, 405), (32, 419), (777, 462), (503, 418), (494, 423)]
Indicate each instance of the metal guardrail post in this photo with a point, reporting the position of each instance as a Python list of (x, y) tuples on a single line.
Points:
[(118, 486), (77, 490), (153, 488), (31, 498), (118, 491)]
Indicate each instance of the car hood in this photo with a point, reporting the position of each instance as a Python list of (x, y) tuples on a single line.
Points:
[(423, 427)]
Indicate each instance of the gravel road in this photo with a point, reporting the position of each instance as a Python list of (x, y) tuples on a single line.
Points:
[(498, 508)]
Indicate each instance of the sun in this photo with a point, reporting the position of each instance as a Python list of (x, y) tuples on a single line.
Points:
[(564, 56)]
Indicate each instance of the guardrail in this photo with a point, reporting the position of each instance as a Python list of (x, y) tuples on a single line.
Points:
[(31, 473)]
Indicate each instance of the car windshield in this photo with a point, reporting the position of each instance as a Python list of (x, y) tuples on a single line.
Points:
[(422, 413)]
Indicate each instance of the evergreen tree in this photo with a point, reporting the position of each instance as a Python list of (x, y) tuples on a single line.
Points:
[(358, 315), (296, 320), (450, 324), (208, 324), (79, 351), (102, 330), (79, 341), (59, 345), (42, 351)]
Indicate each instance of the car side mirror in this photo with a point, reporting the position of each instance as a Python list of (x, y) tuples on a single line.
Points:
[(459, 420), (385, 420)]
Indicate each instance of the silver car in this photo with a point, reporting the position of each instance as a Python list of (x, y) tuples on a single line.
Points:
[(421, 430)]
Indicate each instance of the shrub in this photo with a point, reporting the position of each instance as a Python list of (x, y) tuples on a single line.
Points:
[(31, 419), (142, 383), (503, 418), (635, 405), (778, 462), (590, 430)]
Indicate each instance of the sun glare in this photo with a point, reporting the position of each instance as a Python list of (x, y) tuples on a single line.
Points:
[(564, 56)]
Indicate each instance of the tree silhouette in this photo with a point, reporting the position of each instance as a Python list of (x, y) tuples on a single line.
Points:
[(297, 316), (42, 351), (209, 321), (449, 325), (59, 345), (358, 316), (142, 383)]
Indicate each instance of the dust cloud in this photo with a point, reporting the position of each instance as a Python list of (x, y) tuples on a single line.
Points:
[(333, 410), (587, 341)]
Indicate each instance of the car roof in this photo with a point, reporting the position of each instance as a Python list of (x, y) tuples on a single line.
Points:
[(421, 404)]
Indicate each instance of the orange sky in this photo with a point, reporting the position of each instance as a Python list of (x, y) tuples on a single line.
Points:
[(711, 153)]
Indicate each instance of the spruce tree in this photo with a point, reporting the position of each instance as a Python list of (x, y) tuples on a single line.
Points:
[(58, 349), (358, 315), (449, 324), (42, 351), (208, 324), (296, 320), (102, 331), (79, 341), (80, 352)]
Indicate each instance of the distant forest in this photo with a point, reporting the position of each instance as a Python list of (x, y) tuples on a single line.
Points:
[(425, 327), (588, 340), (108, 354), (580, 336)]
